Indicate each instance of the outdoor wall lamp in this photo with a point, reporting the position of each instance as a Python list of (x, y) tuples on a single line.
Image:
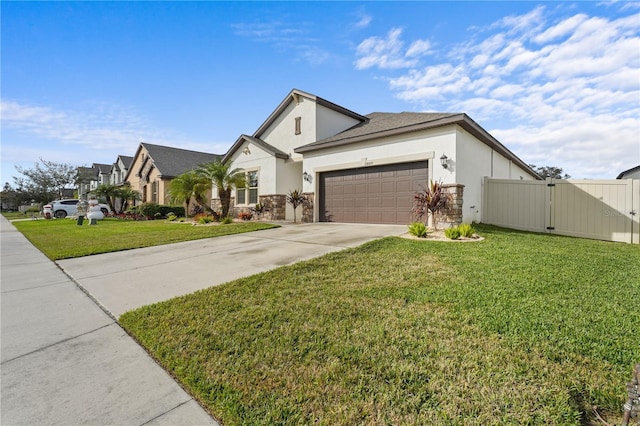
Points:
[(307, 177), (443, 161), (246, 150)]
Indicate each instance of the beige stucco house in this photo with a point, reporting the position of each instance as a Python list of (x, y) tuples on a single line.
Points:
[(154, 166), (365, 168)]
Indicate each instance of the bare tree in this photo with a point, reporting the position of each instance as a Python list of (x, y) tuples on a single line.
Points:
[(46, 179)]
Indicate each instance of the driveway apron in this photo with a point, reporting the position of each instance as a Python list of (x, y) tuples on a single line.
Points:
[(126, 280)]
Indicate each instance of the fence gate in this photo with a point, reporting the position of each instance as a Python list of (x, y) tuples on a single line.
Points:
[(598, 209)]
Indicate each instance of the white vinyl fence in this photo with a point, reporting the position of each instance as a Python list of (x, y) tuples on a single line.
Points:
[(598, 209)]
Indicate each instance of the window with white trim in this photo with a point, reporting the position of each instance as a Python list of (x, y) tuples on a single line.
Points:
[(249, 194)]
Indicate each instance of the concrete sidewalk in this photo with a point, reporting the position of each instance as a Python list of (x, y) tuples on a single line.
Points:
[(66, 362)]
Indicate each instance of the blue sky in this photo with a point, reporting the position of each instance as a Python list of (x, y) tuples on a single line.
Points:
[(83, 82)]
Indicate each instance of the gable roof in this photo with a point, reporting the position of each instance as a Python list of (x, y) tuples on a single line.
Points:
[(293, 96), (126, 161), (86, 174), (627, 172), (101, 168), (267, 147), (172, 162), (379, 125)]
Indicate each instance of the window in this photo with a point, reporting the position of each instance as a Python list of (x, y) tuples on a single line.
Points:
[(298, 129), (154, 192), (252, 188)]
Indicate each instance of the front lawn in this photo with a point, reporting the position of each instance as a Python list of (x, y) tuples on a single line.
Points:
[(63, 238), (517, 329)]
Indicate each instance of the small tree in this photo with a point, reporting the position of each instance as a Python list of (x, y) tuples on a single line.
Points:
[(108, 192), (224, 178), (550, 172), (430, 201), (126, 194), (295, 198), (187, 185)]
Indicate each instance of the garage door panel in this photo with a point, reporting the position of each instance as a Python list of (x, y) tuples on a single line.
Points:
[(378, 194), (388, 187), (388, 203)]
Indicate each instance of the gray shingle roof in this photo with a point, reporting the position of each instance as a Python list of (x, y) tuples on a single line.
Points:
[(172, 162), (379, 123), (102, 168), (126, 160), (382, 124)]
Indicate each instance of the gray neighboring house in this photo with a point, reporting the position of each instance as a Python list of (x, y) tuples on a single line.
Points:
[(154, 166), (632, 173), (119, 170), (89, 178)]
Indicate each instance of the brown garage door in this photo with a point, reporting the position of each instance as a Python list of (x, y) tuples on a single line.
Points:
[(378, 194)]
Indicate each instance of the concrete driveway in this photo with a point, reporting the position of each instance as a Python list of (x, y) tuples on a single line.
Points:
[(126, 280)]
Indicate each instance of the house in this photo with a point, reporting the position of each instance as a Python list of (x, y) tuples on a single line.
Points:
[(119, 170), (154, 166), (365, 168), (632, 173), (89, 178)]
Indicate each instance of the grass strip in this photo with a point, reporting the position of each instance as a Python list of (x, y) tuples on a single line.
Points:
[(517, 329), (64, 239)]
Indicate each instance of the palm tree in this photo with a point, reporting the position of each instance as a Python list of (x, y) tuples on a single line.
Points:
[(221, 175), (187, 185), (126, 194), (107, 191)]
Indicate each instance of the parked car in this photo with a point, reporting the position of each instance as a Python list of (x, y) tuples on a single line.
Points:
[(69, 207)]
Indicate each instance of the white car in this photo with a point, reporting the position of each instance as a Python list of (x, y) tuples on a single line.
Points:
[(69, 207)]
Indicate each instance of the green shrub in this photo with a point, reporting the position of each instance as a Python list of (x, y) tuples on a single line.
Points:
[(171, 217), (157, 211), (227, 220), (466, 230), (418, 229), (452, 233), (203, 218)]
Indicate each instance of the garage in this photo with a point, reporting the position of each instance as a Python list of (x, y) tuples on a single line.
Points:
[(376, 194)]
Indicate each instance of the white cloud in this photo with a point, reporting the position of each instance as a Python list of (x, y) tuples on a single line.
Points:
[(364, 20), (99, 134), (561, 91), (389, 52), (418, 48), (284, 37)]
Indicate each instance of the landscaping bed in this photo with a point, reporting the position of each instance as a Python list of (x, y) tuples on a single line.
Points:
[(519, 328)]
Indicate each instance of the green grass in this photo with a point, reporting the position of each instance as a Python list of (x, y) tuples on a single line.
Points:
[(18, 215), (517, 329), (63, 238)]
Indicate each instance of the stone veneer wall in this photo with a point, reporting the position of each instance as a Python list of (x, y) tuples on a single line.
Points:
[(275, 206), (307, 208), (452, 215)]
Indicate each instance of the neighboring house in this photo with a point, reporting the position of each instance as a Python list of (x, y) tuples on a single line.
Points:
[(365, 168), (632, 173), (154, 166), (86, 175), (118, 173), (103, 175), (119, 170), (89, 178)]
